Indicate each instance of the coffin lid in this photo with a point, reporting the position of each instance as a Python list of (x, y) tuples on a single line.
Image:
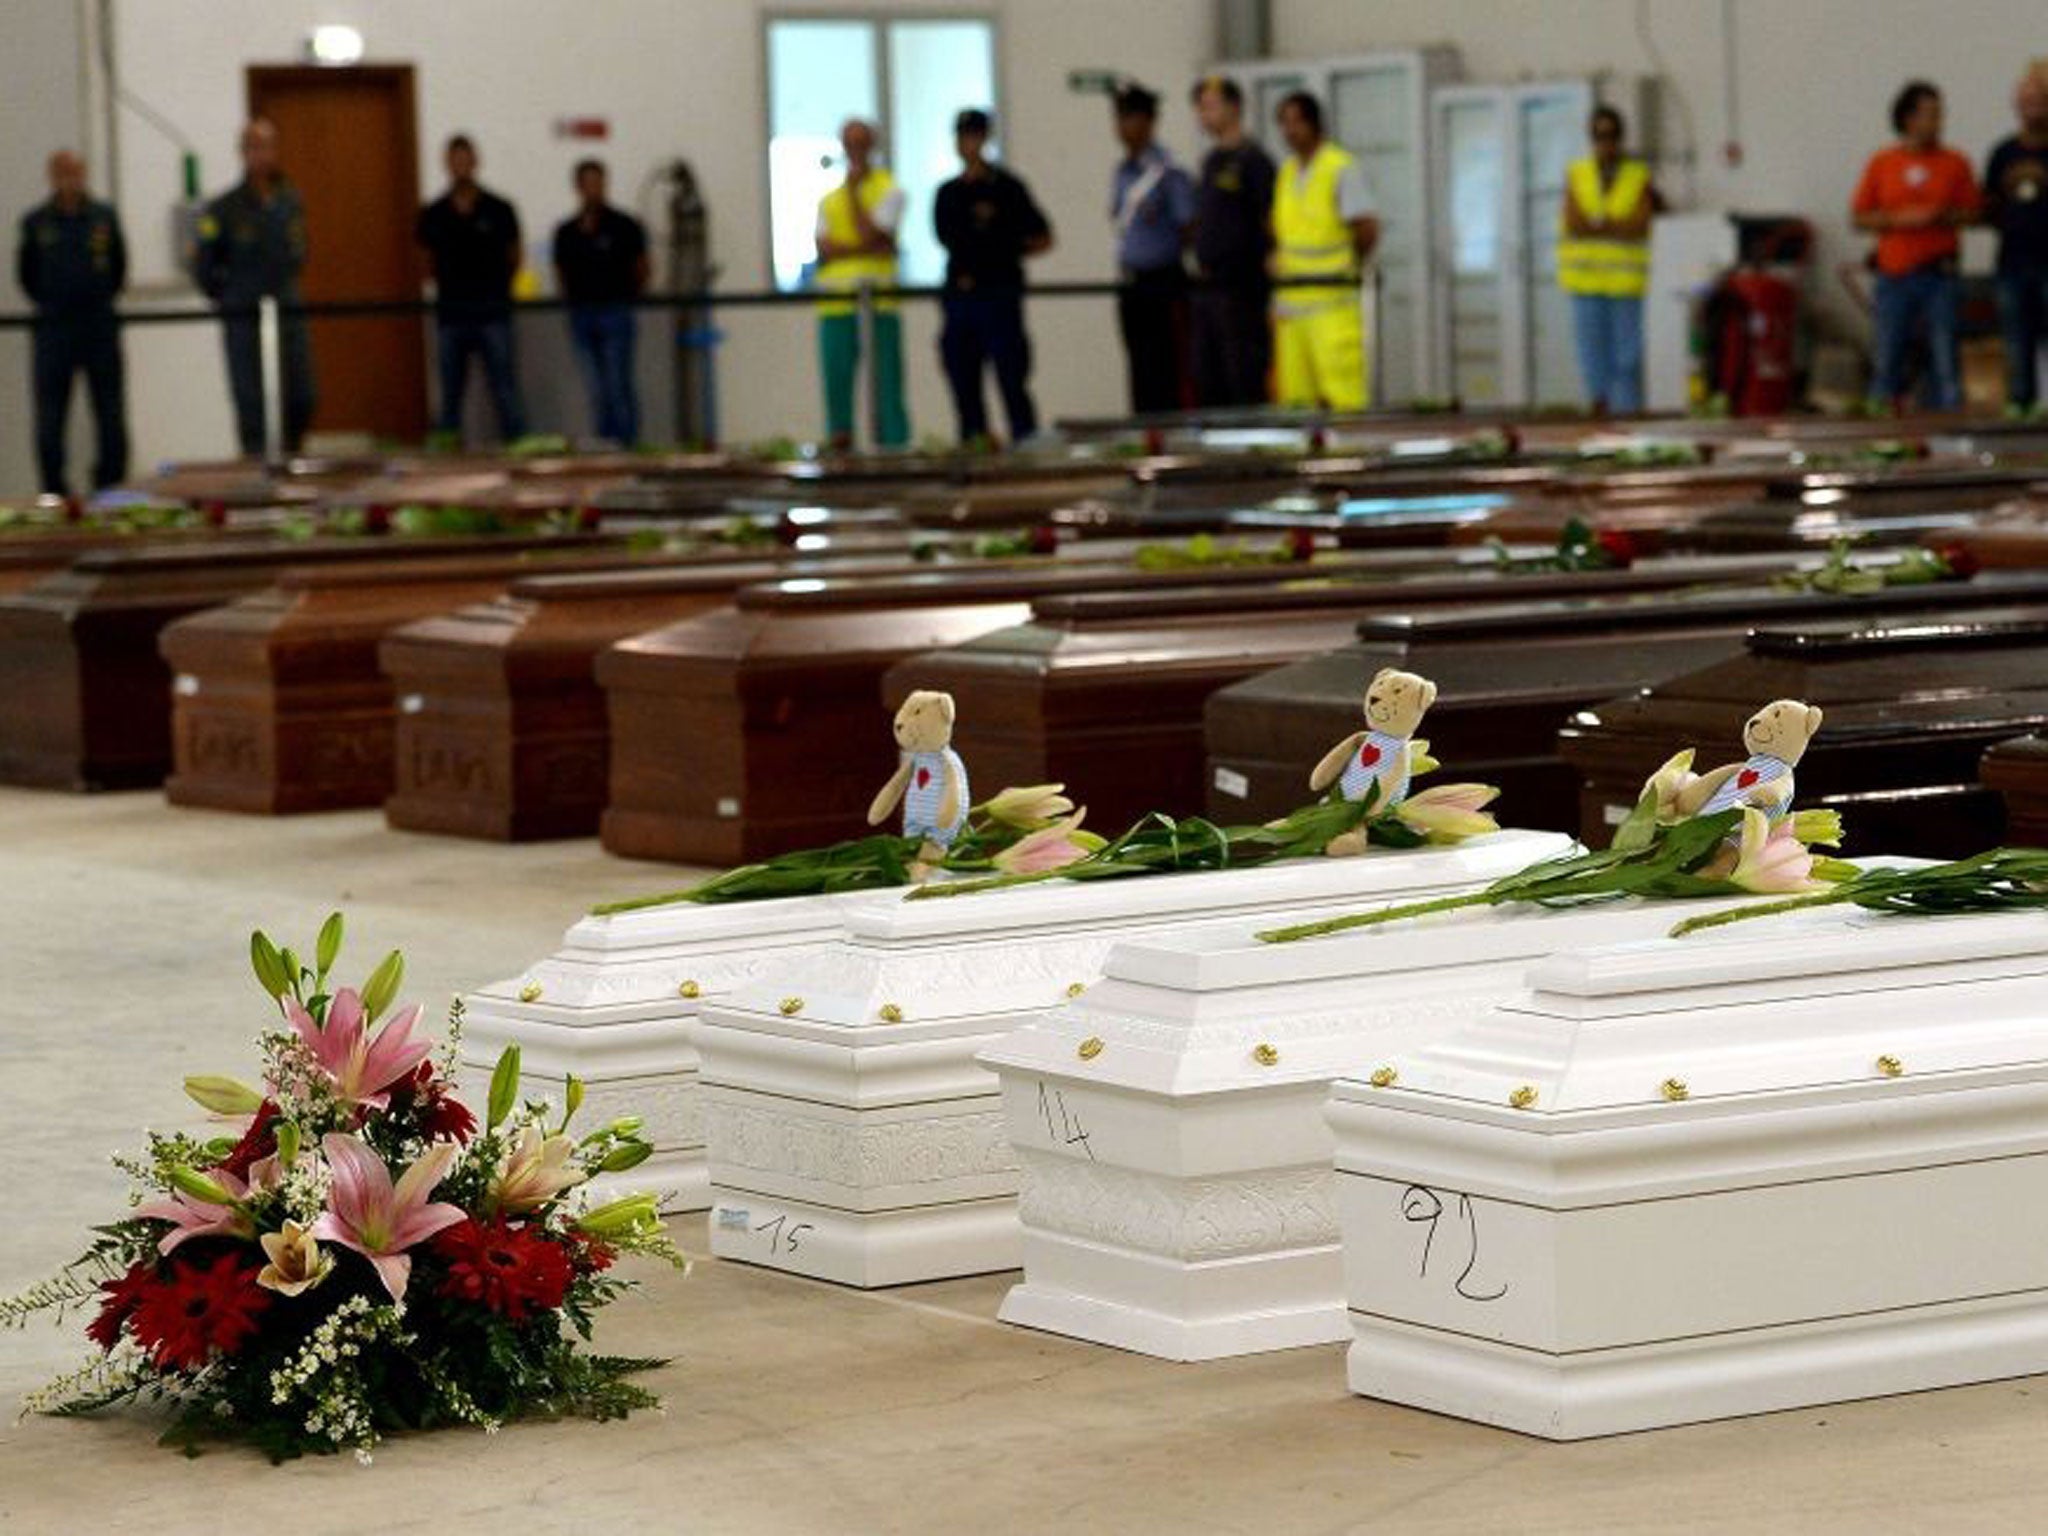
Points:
[(1834, 1000), (956, 964)]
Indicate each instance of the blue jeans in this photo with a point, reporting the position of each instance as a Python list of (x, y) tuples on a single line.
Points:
[(1904, 305), (2022, 321), (604, 335), (490, 340), (1610, 336), (987, 329)]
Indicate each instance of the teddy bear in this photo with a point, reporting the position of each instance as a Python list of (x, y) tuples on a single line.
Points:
[(930, 781), (1776, 736), (1378, 756)]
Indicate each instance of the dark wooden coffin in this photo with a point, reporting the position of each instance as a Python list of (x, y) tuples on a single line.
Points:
[(1104, 692), (1509, 677), (2017, 772), (89, 697), (278, 704), (1911, 703)]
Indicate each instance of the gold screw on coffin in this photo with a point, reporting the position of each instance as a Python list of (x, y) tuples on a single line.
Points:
[(891, 1014), (1890, 1066), (792, 1006), (1266, 1055), (1076, 988), (1383, 1077), (1523, 1097), (530, 993), (689, 989), (1674, 1089), (1090, 1048)]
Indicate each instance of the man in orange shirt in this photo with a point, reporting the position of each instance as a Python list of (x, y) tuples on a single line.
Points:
[(1915, 196)]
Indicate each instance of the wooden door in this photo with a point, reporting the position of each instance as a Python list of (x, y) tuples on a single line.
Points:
[(347, 139)]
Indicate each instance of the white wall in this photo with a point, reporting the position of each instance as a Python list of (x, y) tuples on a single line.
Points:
[(675, 77), (1814, 82)]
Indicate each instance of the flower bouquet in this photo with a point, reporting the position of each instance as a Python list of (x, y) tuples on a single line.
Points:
[(1657, 852), (362, 1255), (1016, 824)]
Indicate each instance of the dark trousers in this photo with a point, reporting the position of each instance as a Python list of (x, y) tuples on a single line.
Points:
[(1152, 313), (988, 328), (1233, 343), (243, 343), (458, 338), (65, 346), (603, 334), (2023, 321)]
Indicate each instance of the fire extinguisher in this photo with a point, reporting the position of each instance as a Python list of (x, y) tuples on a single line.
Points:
[(1759, 324)]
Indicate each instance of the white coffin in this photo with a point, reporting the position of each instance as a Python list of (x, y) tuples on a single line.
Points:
[(1754, 1170), (851, 1134), (615, 1005), (1177, 1192)]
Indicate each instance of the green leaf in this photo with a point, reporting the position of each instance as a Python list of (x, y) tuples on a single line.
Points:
[(328, 945), (504, 1088), (268, 964), (383, 985)]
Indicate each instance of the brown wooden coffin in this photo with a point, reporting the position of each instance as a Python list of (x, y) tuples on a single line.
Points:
[(1911, 704), (278, 704), (1509, 676), (1104, 692), (89, 697), (2017, 772), (752, 729)]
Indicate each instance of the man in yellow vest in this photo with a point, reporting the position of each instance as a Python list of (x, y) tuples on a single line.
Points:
[(857, 224), (1323, 226), (1603, 262)]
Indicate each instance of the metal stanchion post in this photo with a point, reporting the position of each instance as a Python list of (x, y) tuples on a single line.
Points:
[(868, 394), (270, 351)]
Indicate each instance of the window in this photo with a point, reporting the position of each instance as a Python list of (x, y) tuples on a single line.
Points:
[(910, 77)]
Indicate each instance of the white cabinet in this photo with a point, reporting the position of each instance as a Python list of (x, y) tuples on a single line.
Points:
[(1377, 106)]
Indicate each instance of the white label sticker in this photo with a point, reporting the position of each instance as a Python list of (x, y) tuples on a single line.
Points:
[(728, 807), (186, 685), (730, 1220), (1615, 815), (412, 704), (1230, 782)]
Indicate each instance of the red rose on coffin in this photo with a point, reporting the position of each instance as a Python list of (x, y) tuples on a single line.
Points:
[(1618, 546), (123, 1296), (1961, 560), (1301, 544), (512, 1271), (1044, 540), (198, 1310)]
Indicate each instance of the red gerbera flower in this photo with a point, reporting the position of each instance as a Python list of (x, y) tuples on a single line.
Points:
[(199, 1309), (123, 1296), (513, 1271), (257, 1143)]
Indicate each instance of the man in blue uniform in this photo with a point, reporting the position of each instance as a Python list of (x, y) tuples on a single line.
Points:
[(71, 263), (472, 236), (252, 245), (1151, 205)]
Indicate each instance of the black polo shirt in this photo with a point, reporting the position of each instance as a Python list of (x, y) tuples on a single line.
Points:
[(473, 263), (1233, 212), (984, 223), (600, 265)]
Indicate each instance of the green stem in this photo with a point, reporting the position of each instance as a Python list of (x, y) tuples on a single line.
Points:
[(1382, 915), (1762, 909)]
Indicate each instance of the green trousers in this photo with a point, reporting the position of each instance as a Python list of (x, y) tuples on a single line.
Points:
[(839, 358)]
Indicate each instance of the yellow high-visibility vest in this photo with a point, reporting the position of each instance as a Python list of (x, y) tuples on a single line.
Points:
[(845, 274), (1616, 269), (1310, 237)]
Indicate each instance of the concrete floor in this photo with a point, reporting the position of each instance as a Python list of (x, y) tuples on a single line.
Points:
[(792, 1406)]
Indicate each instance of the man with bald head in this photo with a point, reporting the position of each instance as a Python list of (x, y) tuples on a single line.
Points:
[(72, 264), (252, 245), (857, 224), (2016, 205)]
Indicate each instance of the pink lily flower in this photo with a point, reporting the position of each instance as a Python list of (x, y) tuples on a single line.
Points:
[(1450, 813), (1770, 860), (361, 1067), (367, 1213), (1047, 849), (190, 1217)]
